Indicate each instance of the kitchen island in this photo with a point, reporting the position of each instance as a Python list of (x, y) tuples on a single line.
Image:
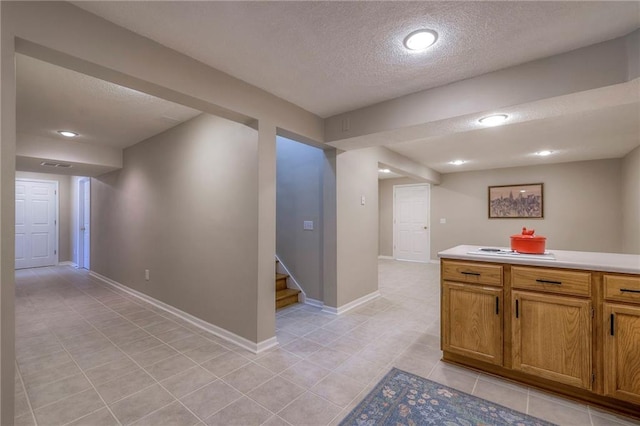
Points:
[(565, 321)]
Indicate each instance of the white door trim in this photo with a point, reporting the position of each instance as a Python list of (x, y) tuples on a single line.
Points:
[(81, 234), (394, 229), (57, 209)]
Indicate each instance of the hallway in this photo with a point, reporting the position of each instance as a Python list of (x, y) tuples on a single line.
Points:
[(90, 355)]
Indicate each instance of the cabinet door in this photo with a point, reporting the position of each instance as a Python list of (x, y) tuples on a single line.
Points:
[(551, 337), (472, 321), (622, 352)]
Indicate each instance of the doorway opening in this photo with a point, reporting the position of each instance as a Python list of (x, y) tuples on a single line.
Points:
[(84, 223)]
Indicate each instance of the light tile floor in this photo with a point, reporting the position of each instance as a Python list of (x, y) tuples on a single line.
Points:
[(89, 355)]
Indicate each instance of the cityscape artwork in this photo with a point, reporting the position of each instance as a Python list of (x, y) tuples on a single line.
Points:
[(516, 201)]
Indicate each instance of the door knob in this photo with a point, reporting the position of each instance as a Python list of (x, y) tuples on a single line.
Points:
[(424, 227), (83, 228)]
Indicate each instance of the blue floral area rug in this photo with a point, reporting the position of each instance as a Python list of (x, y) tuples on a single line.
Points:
[(405, 399)]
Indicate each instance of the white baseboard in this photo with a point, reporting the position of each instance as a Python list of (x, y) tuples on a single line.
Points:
[(314, 302), (351, 305), (386, 257), (67, 263), (213, 329), (436, 261)]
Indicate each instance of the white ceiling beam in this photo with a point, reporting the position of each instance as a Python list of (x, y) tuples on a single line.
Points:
[(79, 40), (604, 64)]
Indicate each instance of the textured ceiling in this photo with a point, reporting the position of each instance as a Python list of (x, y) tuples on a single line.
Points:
[(332, 57), (589, 135), (51, 98)]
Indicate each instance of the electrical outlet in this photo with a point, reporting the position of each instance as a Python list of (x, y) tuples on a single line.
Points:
[(146, 275), (307, 225)]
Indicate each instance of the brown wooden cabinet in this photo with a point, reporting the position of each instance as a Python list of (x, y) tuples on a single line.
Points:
[(551, 337), (622, 337), (472, 323), (570, 331)]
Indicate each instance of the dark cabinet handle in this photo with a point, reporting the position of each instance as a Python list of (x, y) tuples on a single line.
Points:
[(471, 273), (549, 282), (628, 290), (517, 309), (497, 305), (612, 320)]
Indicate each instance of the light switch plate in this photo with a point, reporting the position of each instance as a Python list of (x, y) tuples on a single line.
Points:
[(362, 200), (307, 225)]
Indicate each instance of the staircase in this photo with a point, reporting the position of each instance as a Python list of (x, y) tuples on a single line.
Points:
[(285, 296)]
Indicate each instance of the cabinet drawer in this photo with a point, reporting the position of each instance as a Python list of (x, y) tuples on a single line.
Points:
[(551, 280), (622, 288), (472, 273)]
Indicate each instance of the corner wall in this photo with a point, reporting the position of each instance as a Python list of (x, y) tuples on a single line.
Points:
[(631, 202), (299, 198), (185, 206), (357, 224), (581, 207), (7, 217)]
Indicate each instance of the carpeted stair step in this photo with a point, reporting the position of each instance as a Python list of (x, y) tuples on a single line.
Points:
[(286, 297)]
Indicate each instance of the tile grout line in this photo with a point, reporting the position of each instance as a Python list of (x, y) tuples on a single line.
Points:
[(26, 396), (197, 365), (389, 308), (86, 378), (143, 369), (82, 371), (474, 385)]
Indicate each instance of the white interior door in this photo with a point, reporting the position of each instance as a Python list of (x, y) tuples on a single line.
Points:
[(36, 223), (85, 224), (411, 234)]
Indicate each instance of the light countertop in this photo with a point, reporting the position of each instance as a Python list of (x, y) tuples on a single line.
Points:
[(607, 262)]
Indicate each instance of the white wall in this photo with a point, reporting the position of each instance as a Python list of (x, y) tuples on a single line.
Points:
[(582, 207), (299, 199), (185, 206), (631, 202)]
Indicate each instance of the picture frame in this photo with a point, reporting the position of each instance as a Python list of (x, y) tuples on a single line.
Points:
[(523, 201)]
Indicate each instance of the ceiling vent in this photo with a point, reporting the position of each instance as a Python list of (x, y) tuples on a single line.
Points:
[(52, 164)]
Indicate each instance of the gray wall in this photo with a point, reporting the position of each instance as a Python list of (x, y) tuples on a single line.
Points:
[(631, 202), (385, 218), (299, 198), (185, 206), (582, 207), (64, 210), (357, 225)]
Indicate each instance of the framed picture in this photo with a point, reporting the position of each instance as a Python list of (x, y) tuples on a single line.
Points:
[(516, 201)]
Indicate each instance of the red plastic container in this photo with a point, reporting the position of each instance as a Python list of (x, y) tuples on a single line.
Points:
[(528, 243)]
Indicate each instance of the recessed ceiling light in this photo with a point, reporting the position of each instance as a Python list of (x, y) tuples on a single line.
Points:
[(384, 170), (544, 153), (54, 164), (68, 133), (457, 162), (420, 39), (493, 120)]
